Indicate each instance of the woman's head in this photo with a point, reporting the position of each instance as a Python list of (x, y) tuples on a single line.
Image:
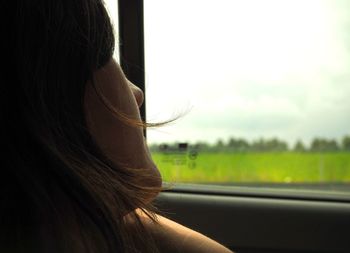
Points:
[(119, 133), (72, 157)]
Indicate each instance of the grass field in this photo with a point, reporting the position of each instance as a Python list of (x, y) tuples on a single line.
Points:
[(286, 167)]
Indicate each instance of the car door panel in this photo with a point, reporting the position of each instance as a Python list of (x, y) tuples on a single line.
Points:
[(262, 224)]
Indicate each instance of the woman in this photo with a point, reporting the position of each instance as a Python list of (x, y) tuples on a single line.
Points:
[(76, 172)]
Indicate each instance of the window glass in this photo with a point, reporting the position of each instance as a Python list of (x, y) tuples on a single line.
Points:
[(261, 88), (112, 8)]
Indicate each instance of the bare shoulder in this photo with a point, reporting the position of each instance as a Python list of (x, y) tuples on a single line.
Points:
[(174, 237)]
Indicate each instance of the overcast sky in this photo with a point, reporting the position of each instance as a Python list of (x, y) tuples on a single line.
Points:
[(248, 68)]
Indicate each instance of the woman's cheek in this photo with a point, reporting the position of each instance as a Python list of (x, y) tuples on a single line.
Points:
[(123, 144)]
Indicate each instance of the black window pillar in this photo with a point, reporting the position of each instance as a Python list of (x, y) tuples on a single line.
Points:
[(131, 48)]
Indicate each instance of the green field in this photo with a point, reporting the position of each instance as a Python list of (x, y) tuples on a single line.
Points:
[(286, 167)]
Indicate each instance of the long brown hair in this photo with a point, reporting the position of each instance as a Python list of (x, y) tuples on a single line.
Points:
[(59, 192)]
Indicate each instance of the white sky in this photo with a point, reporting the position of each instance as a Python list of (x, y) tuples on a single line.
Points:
[(248, 68), (112, 8)]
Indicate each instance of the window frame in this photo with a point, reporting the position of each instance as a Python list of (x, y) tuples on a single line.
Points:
[(132, 61), (131, 44)]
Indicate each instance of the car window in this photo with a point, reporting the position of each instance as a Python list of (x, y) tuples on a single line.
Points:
[(261, 88), (112, 8)]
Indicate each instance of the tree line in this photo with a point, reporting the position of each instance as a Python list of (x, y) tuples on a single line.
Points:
[(260, 145)]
